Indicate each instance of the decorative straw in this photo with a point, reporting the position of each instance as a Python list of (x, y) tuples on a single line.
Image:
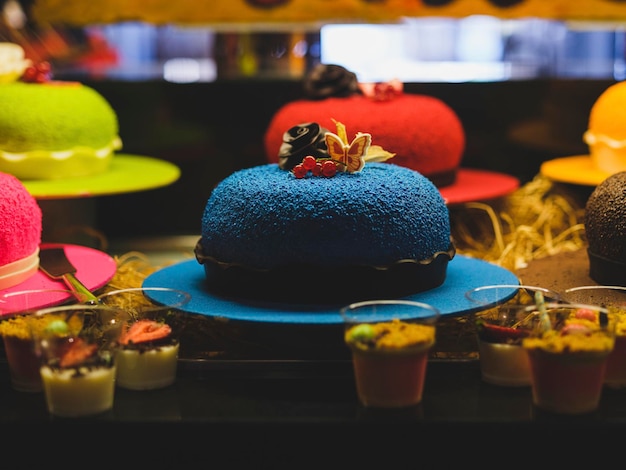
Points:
[(544, 319)]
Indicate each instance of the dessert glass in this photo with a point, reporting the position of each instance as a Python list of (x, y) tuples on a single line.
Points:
[(15, 308), (568, 351), (76, 345), (147, 358), (390, 342), (614, 299), (500, 328)]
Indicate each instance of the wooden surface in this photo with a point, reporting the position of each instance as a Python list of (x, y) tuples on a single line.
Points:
[(565, 271)]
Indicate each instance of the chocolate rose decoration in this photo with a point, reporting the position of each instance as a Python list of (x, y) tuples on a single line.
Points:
[(300, 141), (330, 80)]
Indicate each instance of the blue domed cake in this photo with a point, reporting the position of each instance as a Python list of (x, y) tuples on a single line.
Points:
[(382, 231)]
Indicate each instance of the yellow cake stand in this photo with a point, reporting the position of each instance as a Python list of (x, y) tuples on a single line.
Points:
[(127, 173), (577, 169), (68, 205)]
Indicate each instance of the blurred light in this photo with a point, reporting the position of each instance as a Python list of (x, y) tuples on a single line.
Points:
[(299, 49), (364, 49), (14, 15), (183, 70), (474, 48)]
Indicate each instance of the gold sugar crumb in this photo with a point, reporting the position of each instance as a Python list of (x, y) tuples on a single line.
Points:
[(618, 317), (24, 326), (553, 342), (394, 335)]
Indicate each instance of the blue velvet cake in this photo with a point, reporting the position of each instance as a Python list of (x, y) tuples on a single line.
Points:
[(382, 231)]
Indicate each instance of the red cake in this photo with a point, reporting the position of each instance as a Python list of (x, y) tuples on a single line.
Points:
[(425, 134), (20, 232)]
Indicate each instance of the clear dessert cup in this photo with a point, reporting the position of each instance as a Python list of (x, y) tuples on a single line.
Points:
[(614, 299), (500, 328), (390, 342), (76, 345), (16, 308), (149, 345), (568, 352)]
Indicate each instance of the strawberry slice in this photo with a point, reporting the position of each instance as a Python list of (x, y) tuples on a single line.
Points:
[(498, 333), (78, 351), (143, 331)]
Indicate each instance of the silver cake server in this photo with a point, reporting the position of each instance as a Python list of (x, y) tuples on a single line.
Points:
[(54, 262)]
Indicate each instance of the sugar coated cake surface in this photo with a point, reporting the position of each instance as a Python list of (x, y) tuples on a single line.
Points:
[(55, 130), (605, 229), (606, 133), (353, 231), (20, 232), (51, 129)]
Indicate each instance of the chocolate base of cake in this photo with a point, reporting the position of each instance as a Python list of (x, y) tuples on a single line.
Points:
[(330, 285), (606, 271)]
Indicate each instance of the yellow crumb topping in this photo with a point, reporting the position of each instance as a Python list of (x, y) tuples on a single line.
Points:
[(554, 342), (25, 326), (618, 318), (390, 336)]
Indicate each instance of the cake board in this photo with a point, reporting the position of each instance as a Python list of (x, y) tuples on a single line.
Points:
[(127, 173), (68, 203), (577, 169), (94, 268), (567, 270), (300, 331), (478, 185)]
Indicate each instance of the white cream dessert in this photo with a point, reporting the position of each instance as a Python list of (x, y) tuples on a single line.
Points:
[(148, 356), (143, 369), (76, 345), (80, 391), (503, 360), (504, 364)]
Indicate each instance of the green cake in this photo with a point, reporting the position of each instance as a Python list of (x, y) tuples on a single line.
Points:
[(55, 130), (51, 129)]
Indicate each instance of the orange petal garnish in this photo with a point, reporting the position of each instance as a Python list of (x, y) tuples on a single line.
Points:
[(77, 353), (145, 330)]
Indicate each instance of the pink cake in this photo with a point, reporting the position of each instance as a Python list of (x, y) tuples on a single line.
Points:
[(605, 134), (20, 232)]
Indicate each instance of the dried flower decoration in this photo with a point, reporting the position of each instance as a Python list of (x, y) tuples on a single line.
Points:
[(349, 156), (373, 153), (382, 91), (342, 155)]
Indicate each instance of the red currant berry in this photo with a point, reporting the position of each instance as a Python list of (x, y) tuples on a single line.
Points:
[(29, 74), (41, 77), (299, 171), (309, 162), (44, 67), (329, 168), (317, 169)]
